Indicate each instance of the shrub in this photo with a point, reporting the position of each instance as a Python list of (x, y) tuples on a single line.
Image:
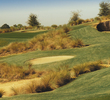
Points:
[(74, 23), (71, 23), (66, 29), (80, 21), (98, 19), (54, 26), (91, 19), (87, 20), (5, 26), (57, 78), (87, 67), (13, 72)]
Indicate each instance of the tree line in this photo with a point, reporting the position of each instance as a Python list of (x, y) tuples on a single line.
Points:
[(74, 20)]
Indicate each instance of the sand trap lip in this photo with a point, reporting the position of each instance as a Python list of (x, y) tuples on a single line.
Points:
[(45, 60), (16, 84)]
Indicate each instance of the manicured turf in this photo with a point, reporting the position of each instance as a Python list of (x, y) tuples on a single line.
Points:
[(6, 38), (91, 86)]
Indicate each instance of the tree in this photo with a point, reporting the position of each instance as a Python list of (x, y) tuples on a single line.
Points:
[(5, 26), (75, 16), (19, 25), (14, 25), (54, 26), (32, 21), (104, 9)]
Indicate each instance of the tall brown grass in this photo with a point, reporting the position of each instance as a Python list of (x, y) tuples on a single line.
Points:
[(58, 77), (13, 72), (2, 92), (87, 67), (56, 39)]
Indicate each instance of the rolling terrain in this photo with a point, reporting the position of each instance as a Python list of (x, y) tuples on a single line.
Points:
[(89, 86)]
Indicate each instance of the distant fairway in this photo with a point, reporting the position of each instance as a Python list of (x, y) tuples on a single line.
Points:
[(89, 86), (6, 38)]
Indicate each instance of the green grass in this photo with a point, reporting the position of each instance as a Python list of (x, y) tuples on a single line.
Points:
[(6, 38), (91, 86)]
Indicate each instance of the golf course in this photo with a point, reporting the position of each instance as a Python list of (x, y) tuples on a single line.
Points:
[(92, 85), (52, 55)]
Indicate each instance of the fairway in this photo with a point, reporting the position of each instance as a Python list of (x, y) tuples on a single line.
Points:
[(7, 38), (55, 50), (84, 87)]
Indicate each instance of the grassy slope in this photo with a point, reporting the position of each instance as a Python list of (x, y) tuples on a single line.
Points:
[(99, 49), (7, 38), (93, 86)]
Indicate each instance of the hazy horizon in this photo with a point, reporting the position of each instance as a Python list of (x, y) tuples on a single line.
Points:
[(48, 11)]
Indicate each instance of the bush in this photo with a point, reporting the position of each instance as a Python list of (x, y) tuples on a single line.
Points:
[(57, 78), (66, 29), (74, 23), (13, 72), (87, 67), (87, 20), (54, 26), (5, 26), (80, 21), (98, 19)]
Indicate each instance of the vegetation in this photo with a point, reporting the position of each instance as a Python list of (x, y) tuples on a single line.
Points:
[(54, 26), (104, 9), (57, 78), (44, 42), (75, 16), (32, 21), (5, 26), (93, 85), (13, 72), (87, 67), (98, 19), (1, 93)]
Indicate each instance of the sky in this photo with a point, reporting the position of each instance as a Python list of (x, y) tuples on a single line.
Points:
[(48, 12)]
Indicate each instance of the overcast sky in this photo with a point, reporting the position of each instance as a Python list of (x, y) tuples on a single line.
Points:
[(48, 11)]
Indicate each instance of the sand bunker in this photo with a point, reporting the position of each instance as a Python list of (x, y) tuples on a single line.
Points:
[(49, 59), (17, 84)]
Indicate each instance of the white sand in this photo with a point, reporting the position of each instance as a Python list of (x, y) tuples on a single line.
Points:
[(49, 59), (6, 87)]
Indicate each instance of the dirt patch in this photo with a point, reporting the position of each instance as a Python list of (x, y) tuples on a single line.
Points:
[(17, 84), (50, 59)]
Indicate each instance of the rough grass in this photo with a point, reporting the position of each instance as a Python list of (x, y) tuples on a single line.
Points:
[(93, 85), (57, 39), (13, 72), (2, 92), (57, 78), (87, 67)]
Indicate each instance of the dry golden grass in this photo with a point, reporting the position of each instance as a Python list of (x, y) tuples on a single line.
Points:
[(2, 92), (56, 39), (88, 67), (13, 72), (57, 78)]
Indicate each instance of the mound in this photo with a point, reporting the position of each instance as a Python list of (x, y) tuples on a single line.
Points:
[(49, 59)]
